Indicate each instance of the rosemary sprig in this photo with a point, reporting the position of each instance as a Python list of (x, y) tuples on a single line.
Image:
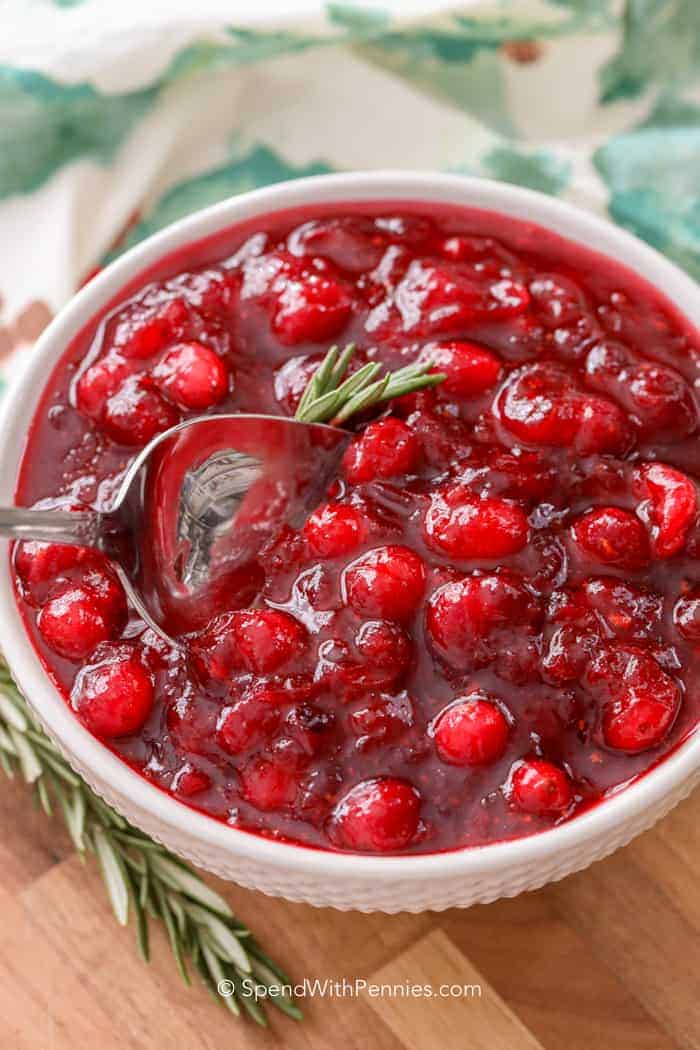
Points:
[(140, 875), (332, 396)]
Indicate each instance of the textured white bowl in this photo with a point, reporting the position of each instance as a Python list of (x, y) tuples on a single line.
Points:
[(367, 883)]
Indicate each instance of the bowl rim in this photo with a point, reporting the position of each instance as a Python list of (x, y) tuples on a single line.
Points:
[(628, 802)]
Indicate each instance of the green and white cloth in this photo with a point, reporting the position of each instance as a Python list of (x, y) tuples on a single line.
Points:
[(117, 118)]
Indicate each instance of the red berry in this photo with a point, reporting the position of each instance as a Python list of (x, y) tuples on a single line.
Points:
[(388, 582), (310, 309), (385, 449), (686, 615), (39, 565), (640, 701), (189, 781), (135, 414), (636, 721), (471, 732), (268, 785), (108, 593), (72, 623), (98, 383), (385, 648), (146, 337), (614, 537), (192, 376), (463, 615), (465, 526), (115, 696), (469, 369), (671, 507), (377, 816), (541, 405), (335, 529), (627, 612), (541, 788), (259, 640), (247, 723)]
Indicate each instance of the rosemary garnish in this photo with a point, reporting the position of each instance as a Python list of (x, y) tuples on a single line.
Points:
[(330, 397), (140, 875)]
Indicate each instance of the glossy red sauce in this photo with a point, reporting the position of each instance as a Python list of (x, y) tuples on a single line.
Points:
[(492, 620)]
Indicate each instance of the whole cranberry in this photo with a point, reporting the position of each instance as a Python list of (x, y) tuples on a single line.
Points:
[(135, 413), (637, 720), (671, 506), (377, 816), (268, 785), (190, 781), (114, 697), (540, 788), (469, 369), (258, 640), (39, 565), (335, 529), (246, 724), (387, 582), (72, 623), (613, 536), (463, 526), (99, 382), (192, 376), (472, 731), (385, 449), (462, 615), (311, 308)]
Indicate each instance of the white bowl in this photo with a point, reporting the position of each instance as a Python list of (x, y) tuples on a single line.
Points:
[(367, 883)]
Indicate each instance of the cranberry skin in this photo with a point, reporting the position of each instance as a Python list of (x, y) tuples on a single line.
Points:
[(627, 612), (540, 404), (152, 335), (98, 383), (114, 697), (72, 623), (377, 816), (291, 380), (671, 509), (246, 724), (686, 615), (190, 781), (614, 537), (660, 399), (471, 732), (541, 788), (135, 414), (268, 785), (192, 376), (469, 369), (258, 640), (640, 701), (463, 614), (39, 565), (637, 721), (385, 449), (336, 529), (387, 582), (385, 648), (463, 526), (310, 309)]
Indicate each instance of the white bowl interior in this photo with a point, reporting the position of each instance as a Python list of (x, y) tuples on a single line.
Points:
[(132, 791)]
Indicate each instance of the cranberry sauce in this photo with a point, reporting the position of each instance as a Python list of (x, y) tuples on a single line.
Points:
[(492, 618)]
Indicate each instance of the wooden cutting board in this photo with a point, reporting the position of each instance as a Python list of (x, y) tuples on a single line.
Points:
[(608, 957)]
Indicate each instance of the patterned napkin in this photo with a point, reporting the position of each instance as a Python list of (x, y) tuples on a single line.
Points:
[(117, 118)]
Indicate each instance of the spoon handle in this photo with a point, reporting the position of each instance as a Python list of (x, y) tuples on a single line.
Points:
[(83, 528)]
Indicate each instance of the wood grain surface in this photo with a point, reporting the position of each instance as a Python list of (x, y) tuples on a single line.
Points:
[(609, 957)]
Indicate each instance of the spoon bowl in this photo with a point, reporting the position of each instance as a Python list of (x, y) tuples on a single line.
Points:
[(194, 510)]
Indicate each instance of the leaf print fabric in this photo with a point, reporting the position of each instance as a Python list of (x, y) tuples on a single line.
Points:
[(118, 119)]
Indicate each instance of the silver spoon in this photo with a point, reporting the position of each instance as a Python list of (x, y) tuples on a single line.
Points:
[(194, 509)]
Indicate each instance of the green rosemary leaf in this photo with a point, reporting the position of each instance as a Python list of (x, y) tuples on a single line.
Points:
[(173, 935), (189, 884), (330, 397), (136, 870), (114, 875)]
